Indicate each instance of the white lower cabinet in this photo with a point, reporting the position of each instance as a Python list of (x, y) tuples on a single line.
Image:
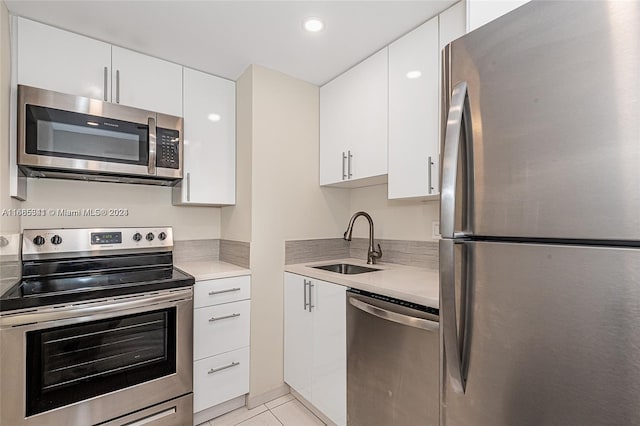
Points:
[(315, 343), (220, 378), (221, 327)]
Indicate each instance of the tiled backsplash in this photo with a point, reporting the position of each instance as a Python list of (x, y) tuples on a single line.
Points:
[(196, 250), (422, 254), (301, 251), (236, 252)]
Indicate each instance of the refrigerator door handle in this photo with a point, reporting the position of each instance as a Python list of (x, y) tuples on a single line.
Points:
[(448, 323), (456, 122)]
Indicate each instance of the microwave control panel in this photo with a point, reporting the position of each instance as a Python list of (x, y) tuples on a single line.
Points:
[(167, 148)]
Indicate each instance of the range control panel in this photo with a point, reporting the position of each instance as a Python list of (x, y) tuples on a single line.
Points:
[(53, 243), (167, 148)]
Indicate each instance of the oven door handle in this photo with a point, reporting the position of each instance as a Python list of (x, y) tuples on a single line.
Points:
[(113, 305)]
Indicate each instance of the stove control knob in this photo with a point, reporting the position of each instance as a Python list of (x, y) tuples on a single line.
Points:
[(150, 236), (137, 236), (162, 236), (56, 239), (39, 240)]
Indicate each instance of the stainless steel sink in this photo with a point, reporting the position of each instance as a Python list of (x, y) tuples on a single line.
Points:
[(346, 268)]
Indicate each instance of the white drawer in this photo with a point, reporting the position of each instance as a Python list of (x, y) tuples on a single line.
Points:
[(220, 378), (221, 328), (223, 290)]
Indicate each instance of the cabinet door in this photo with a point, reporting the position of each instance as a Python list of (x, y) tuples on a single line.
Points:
[(481, 12), (333, 107), (298, 335), (53, 59), (353, 118), (209, 141), (145, 82), (329, 378), (413, 113)]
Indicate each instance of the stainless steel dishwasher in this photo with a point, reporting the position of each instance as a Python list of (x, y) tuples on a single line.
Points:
[(392, 362)]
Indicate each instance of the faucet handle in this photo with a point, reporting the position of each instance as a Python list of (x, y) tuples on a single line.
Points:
[(377, 253)]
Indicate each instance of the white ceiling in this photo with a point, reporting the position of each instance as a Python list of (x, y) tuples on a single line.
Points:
[(224, 37)]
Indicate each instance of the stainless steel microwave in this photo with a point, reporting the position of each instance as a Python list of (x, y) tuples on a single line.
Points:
[(73, 137)]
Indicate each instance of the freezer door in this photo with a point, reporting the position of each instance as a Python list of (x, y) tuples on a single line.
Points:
[(550, 336), (554, 122)]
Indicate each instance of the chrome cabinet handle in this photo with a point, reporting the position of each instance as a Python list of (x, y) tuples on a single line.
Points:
[(349, 174), (448, 315), (431, 326), (429, 174), (188, 186), (152, 146), (215, 370), (117, 86), (213, 319), (344, 158), (105, 88), (305, 293), (311, 305), (228, 290), (457, 123)]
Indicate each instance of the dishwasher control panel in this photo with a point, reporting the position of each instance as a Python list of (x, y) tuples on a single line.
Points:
[(410, 305)]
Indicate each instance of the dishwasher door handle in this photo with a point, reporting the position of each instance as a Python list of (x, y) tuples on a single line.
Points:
[(421, 323)]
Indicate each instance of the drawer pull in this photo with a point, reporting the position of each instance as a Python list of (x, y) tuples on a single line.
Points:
[(215, 370), (229, 290), (212, 319)]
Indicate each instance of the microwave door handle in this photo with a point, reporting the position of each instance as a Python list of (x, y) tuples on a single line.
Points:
[(152, 146)]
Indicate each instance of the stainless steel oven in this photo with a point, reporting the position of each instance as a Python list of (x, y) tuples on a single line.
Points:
[(66, 136), (101, 336)]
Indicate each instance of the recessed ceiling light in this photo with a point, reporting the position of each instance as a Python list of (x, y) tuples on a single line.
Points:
[(313, 25), (214, 117), (414, 74)]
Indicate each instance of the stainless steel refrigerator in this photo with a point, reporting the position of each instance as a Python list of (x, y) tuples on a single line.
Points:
[(540, 218)]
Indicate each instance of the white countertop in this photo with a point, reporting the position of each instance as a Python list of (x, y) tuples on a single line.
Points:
[(211, 269), (417, 285)]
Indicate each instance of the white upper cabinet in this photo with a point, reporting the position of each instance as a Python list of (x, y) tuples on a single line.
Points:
[(209, 141), (145, 82), (413, 113), (61, 61), (353, 124), (58, 60), (480, 12)]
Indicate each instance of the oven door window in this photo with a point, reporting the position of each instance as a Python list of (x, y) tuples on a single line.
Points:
[(57, 133), (76, 362)]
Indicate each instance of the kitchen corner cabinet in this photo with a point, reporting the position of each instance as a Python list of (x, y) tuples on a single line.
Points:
[(315, 352), (353, 125), (221, 327), (62, 61), (209, 173), (480, 12), (413, 113)]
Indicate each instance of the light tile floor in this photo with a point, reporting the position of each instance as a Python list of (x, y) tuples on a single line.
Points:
[(283, 411)]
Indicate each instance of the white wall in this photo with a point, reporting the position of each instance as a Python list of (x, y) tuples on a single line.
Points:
[(393, 219), (235, 221), (147, 206), (287, 203)]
